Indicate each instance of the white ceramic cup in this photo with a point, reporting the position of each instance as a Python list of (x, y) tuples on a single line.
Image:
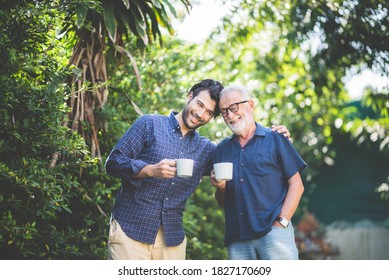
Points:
[(223, 171), (184, 167)]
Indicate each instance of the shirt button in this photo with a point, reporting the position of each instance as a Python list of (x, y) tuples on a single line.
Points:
[(241, 179), (241, 164), (172, 183), (241, 197), (241, 213), (166, 198), (242, 150)]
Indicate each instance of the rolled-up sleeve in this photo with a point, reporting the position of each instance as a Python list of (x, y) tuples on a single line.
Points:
[(122, 162)]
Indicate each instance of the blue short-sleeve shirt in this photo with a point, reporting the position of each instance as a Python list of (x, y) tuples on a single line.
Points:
[(261, 169)]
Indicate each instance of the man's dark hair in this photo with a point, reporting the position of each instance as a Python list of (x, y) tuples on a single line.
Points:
[(213, 87)]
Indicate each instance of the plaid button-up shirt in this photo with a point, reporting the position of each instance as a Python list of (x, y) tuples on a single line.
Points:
[(143, 205)]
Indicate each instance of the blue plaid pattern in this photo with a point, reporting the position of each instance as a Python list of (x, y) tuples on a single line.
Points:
[(143, 205)]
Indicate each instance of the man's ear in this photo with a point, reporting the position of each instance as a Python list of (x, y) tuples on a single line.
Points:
[(251, 102), (190, 96)]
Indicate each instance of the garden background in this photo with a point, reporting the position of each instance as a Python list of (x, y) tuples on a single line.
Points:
[(75, 75)]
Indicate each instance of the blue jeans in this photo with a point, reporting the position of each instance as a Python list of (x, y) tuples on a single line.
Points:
[(278, 244)]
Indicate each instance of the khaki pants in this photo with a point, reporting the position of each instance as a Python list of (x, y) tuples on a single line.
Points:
[(122, 247)]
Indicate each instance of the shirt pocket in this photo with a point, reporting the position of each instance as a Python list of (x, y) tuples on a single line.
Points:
[(261, 164)]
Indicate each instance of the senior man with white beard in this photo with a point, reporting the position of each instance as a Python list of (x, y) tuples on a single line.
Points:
[(266, 188)]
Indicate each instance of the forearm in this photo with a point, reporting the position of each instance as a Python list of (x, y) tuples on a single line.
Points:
[(146, 172), (122, 166), (219, 195), (292, 199)]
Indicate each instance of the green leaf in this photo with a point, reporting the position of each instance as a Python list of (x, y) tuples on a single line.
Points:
[(171, 8), (156, 3), (110, 21), (165, 18), (127, 4), (140, 24), (66, 208), (81, 15)]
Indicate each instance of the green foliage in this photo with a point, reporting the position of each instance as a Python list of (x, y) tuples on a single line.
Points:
[(204, 225), (35, 193), (56, 199), (370, 123), (58, 208), (123, 19), (332, 38)]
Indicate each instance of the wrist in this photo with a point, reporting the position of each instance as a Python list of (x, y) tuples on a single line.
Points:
[(283, 221)]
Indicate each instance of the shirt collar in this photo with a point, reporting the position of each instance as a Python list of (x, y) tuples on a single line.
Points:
[(176, 125), (259, 131)]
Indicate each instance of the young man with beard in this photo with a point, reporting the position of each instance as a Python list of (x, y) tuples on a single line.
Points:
[(266, 188), (146, 222)]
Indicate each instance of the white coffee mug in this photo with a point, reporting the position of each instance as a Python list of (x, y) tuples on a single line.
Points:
[(223, 171), (184, 167)]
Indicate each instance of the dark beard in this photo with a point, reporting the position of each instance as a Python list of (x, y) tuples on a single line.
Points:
[(185, 114)]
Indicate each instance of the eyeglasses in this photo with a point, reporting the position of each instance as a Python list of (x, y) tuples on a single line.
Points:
[(234, 107)]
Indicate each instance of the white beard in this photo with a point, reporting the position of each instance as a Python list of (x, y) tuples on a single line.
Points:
[(239, 127)]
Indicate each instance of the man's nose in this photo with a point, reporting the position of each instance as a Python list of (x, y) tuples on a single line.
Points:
[(230, 112), (200, 112)]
